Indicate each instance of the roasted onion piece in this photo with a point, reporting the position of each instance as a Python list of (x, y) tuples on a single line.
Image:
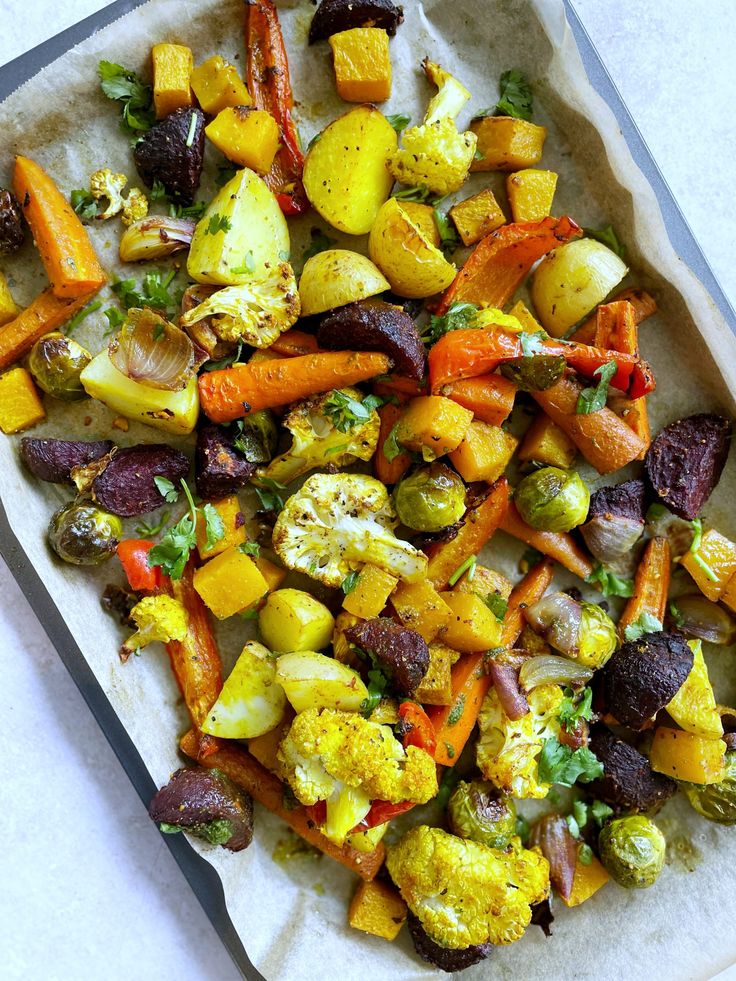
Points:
[(156, 237), (557, 618), (551, 669), (154, 352), (698, 617)]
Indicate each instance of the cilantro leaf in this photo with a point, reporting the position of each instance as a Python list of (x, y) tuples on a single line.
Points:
[(350, 582), (449, 239), (532, 344), (497, 605), (600, 811), (563, 765), (608, 237), (377, 685), (122, 85), (609, 583), (153, 292), (345, 412), (516, 96), (214, 526), (225, 362), (646, 624), (522, 829), (115, 320), (84, 204), (81, 315), (166, 489), (269, 495), (460, 316), (218, 223), (585, 854), (172, 552), (391, 446), (572, 710), (420, 194), (697, 526), (250, 548), (594, 399), (399, 121)]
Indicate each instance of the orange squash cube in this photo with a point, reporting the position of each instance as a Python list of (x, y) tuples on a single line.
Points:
[(249, 137), (728, 597), (8, 308), (433, 425), (371, 592), (717, 564), (422, 216), (272, 573), (362, 64), (685, 756), (341, 649), (20, 404), (172, 70), (484, 453), (546, 443), (419, 606), (217, 85), (525, 317), (477, 216), (229, 583), (233, 520), (435, 688), (587, 880), (472, 626), (531, 193), (505, 143), (377, 908)]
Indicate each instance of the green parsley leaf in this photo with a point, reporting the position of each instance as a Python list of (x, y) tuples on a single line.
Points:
[(516, 96), (421, 194), (676, 614), (217, 832), (594, 399), (225, 362), (391, 446), (600, 811), (345, 412), (213, 524), (399, 121), (449, 749), (573, 826), (122, 85), (563, 765), (496, 604), (449, 239), (580, 813), (157, 192), (646, 624), (248, 614), (81, 315), (467, 566), (460, 316), (195, 210), (166, 489), (250, 548), (172, 552), (115, 320), (169, 829), (152, 292), (84, 204), (572, 710), (608, 237), (532, 344), (377, 685), (609, 583), (269, 495), (350, 582), (145, 530), (218, 223)]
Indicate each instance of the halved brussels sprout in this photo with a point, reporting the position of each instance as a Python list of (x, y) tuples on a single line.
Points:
[(597, 639), (716, 801), (56, 362), (256, 436), (632, 849), (480, 812), (82, 534), (430, 499), (552, 499), (536, 372)]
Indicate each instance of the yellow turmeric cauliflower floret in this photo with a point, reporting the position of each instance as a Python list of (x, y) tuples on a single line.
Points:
[(434, 155), (158, 618), (105, 184), (347, 761), (465, 893), (135, 206), (507, 752)]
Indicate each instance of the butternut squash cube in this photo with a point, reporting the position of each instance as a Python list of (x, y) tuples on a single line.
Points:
[(525, 317), (472, 626), (419, 606), (435, 688), (587, 880), (728, 597), (685, 756), (248, 137), (20, 404), (233, 520), (341, 649), (546, 443), (531, 193), (217, 85), (485, 452), (229, 583), (433, 425), (505, 143), (362, 64), (717, 556), (371, 592), (422, 215), (477, 216), (8, 308), (377, 908), (265, 748), (172, 69), (273, 574)]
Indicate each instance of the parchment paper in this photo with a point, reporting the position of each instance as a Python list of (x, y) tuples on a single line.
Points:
[(292, 930)]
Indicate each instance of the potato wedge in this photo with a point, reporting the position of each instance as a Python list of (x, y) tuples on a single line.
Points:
[(345, 173), (292, 620), (337, 277), (251, 702), (413, 266), (313, 680)]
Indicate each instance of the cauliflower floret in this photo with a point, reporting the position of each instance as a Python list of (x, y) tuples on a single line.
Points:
[(322, 438), (105, 184), (338, 522), (463, 892), (507, 751), (159, 618), (135, 206), (451, 94), (256, 312), (347, 761)]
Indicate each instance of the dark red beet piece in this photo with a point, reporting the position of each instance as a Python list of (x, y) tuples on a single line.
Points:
[(208, 804), (126, 486), (54, 459), (400, 652), (333, 16), (628, 781), (172, 152), (445, 958), (220, 468), (373, 325)]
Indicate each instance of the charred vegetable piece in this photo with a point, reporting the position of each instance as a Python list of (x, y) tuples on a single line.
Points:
[(552, 835), (220, 468), (82, 534), (172, 152), (685, 461), (333, 16), (615, 521), (56, 363), (430, 499), (401, 653), (54, 459), (373, 325), (632, 849), (697, 617), (644, 675), (535, 373), (11, 223), (628, 781), (448, 959), (207, 804), (126, 486), (480, 812)]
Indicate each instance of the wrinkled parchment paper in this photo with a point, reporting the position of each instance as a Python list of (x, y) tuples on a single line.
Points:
[(292, 916)]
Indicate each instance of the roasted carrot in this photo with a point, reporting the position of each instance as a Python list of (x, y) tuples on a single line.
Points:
[(502, 260), (389, 471), (605, 441), (480, 523), (46, 313), (644, 306), (293, 343), (396, 387), (66, 251), (245, 771), (616, 329), (651, 585), (489, 397), (454, 723), (233, 392), (556, 544)]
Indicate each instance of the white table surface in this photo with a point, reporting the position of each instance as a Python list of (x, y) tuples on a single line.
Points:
[(88, 888)]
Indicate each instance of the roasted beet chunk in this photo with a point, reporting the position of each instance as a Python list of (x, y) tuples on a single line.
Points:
[(126, 486), (207, 804), (400, 653), (333, 16), (615, 521), (628, 781), (220, 468), (54, 459), (445, 958), (11, 224), (627, 500), (372, 325), (685, 461), (644, 675), (172, 152)]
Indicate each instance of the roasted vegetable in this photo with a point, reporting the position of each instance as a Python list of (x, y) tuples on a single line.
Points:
[(685, 756), (362, 64), (336, 277), (342, 15), (217, 85), (447, 959), (172, 68), (685, 461), (479, 812), (12, 232), (694, 705), (552, 836), (225, 510), (530, 193), (628, 781), (292, 620), (247, 136), (698, 617), (56, 362), (378, 909), (484, 453), (9, 309), (615, 524), (373, 325), (506, 143), (551, 499), (104, 184), (546, 443), (711, 561), (155, 237), (315, 681), (399, 652), (430, 499), (83, 534), (54, 459), (535, 373), (159, 618), (472, 626), (172, 153), (433, 426), (207, 804), (370, 593), (477, 216), (716, 801), (230, 583), (153, 352), (221, 467), (127, 485), (632, 849), (251, 702), (411, 263)]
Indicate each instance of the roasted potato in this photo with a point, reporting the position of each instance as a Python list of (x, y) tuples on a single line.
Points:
[(337, 277), (412, 265)]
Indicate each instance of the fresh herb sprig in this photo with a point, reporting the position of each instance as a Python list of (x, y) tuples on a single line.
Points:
[(594, 399), (124, 86), (346, 412)]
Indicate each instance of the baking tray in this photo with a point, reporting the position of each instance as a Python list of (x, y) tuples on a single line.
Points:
[(201, 876)]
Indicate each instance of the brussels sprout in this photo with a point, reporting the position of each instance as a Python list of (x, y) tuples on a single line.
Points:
[(536, 372), (551, 499), (82, 534), (256, 437), (480, 812), (716, 801), (56, 362), (597, 638), (430, 499), (632, 849)]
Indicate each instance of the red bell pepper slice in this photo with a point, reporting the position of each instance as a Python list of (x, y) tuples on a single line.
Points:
[(133, 555), (419, 730)]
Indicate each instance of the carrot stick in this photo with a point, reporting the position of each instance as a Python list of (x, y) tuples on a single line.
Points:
[(403, 389), (293, 343), (480, 524), (46, 313), (605, 441), (502, 260), (644, 306), (490, 397), (470, 683), (233, 392), (389, 471), (66, 251), (651, 585), (556, 544), (245, 771)]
